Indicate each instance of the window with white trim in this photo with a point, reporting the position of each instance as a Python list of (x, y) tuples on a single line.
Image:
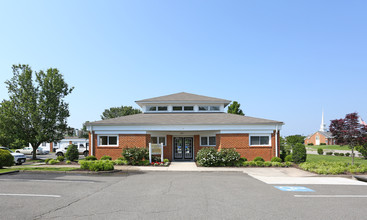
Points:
[(183, 108), (259, 140), (107, 140), (151, 108), (209, 108), (208, 141), (158, 140)]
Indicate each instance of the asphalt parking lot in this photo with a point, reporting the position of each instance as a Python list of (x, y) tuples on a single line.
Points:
[(171, 195)]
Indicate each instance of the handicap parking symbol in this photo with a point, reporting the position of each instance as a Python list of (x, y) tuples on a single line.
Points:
[(294, 188)]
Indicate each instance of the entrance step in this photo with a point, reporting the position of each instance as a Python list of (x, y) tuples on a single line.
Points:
[(183, 166)]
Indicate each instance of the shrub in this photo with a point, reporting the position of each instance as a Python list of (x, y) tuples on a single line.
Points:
[(329, 153), (118, 162), (347, 154), (68, 162), (288, 164), (252, 163), (156, 159), (334, 168), (310, 144), (341, 154), (208, 157), (259, 163), (245, 164), (105, 157), (283, 154), (6, 159), (72, 153), (53, 161), (135, 154), (243, 159), (143, 163), (322, 143), (47, 160), (259, 159), (320, 151), (97, 165), (90, 157), (60, 158), (166, 160), (336, 154), (229, 156), (276, 159), (288, 158), (268, 163), (299, 153), (276, 164)]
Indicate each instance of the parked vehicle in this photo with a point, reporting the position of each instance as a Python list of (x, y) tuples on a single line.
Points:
[(19, 158), (81, 148), (29, 150)]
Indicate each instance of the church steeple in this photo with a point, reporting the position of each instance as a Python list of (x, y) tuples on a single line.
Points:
[(322, 126)]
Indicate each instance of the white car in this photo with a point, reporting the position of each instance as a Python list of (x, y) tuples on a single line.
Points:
[(19, 158), (82, 151), (29, 150)]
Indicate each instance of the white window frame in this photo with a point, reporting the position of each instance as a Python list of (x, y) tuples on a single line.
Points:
[(209, 108), (158, 136), (108, 145), (260, 135), (183, 108), (207, 139)]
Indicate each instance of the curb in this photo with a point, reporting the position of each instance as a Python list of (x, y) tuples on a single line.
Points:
[(10, 172), (70, 172)]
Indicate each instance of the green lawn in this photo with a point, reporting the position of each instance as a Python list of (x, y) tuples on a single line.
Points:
[(39, 168), (329, 147), (317, 158)]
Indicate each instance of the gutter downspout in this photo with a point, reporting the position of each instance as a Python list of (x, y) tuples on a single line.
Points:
[(276, 140)]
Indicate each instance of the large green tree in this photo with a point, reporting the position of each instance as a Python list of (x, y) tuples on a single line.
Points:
[(234, 108), (292, 140), (115, 112), (36, 111)]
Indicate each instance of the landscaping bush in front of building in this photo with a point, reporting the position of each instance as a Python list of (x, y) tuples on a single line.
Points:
[(208, 157), (299, 154), (72, 153), (323, 167), (276, 159), (320, 151), (135, 154), (229, 156), (96, 165), (6, 159)]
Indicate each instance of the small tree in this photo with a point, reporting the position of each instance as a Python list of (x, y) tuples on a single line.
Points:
[(115, 112), (36, 111), (292, 140), (299, 153), (234, 108), (348, 131), (320, 151), (72, 153)]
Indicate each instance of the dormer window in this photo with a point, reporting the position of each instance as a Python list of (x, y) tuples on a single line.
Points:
[(183, 108), (209, 108), (157, 108)]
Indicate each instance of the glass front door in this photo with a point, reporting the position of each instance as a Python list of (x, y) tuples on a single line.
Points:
[(183, 148)]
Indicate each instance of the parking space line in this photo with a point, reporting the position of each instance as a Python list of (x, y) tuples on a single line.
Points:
[(53, 181), (331, 196), (29, 195)]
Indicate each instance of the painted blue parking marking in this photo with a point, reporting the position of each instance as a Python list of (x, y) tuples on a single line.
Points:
[(294, 188)]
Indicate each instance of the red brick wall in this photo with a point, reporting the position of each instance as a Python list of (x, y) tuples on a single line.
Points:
[(241, 143), (125, 140)]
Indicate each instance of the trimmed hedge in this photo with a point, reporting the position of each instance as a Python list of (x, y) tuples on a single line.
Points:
[(259, 159), (6, 159), (105, 157), (299, 154), (90, 158), (72, 153), (276, 159), (209, 157), (288, 158), (334, 168), (96, 165), (320, 151)]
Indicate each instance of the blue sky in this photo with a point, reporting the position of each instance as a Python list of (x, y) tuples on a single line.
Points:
[(282, 60)]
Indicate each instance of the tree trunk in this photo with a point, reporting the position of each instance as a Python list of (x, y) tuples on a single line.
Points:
[(352, 155), (34, 153)]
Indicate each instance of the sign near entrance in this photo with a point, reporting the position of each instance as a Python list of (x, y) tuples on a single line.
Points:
[(155, 149)]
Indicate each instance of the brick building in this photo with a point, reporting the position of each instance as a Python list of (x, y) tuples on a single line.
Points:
[(185, 123)]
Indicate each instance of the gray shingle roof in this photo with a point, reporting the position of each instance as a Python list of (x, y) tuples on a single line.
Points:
[(185, 119), (184, 97)]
